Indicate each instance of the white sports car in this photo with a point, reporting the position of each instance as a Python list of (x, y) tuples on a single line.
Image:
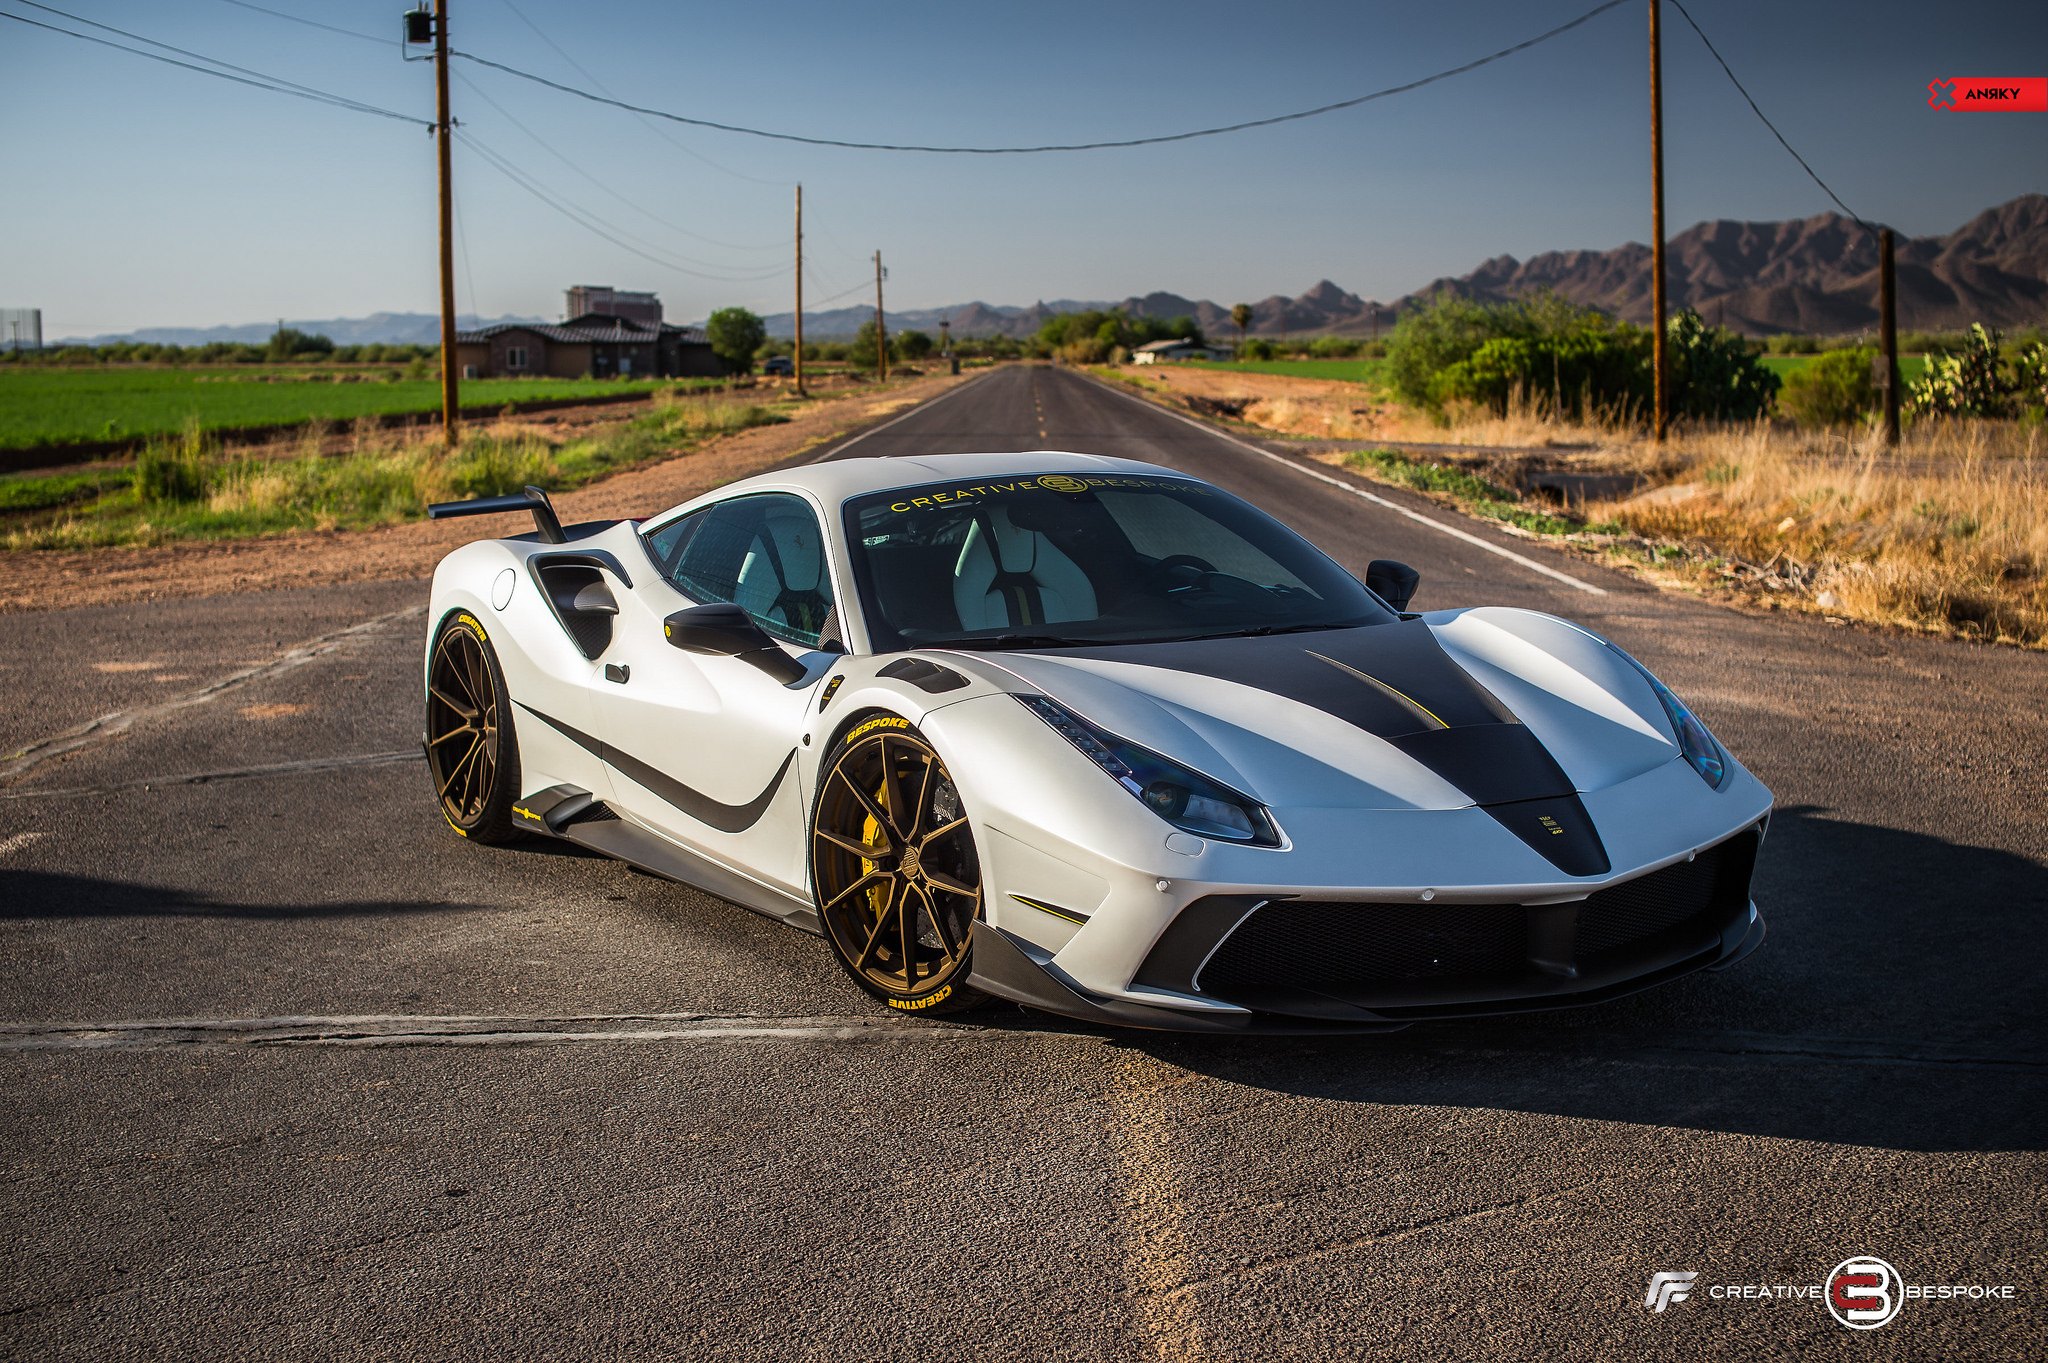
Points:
[(1093, 736)]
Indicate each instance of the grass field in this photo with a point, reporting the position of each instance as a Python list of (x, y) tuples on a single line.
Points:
[(45, 407), (1344, 371), (188, 487), (1785, 366)]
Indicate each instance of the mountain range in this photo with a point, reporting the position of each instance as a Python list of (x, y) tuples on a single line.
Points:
[(1815, 274)]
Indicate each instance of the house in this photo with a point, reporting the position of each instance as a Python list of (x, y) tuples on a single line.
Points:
[(1184, 349), (632, 342)]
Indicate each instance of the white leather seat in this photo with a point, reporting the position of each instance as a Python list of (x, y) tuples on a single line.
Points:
[(782, 577), (1010, 576)]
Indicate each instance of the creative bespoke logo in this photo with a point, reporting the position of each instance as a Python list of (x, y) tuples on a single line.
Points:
[(1666, 1288), (1059, 482), (2012, 94), (1864, 1292)]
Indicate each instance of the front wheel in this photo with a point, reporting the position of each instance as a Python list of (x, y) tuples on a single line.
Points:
[(894, 870), (470, 749)]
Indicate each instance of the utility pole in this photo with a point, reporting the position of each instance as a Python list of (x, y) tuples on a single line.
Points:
[(881, 327), (1888, 333), (799, 357), (1662, 358), (450, 399)]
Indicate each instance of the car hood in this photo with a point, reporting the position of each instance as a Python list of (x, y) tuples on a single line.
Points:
[(1458, 708)]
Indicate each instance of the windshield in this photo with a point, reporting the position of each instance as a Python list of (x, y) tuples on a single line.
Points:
[(1045, 560)]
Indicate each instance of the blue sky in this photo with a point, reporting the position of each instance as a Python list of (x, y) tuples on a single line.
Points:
[(140, 195)]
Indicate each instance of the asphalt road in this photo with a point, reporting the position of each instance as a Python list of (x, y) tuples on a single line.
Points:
[(287, 1071)]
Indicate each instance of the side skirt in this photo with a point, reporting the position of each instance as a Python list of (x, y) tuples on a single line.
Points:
[(576, 816)]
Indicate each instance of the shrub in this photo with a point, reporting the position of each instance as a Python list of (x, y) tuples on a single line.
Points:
[(1256, 349), (174, 469), (1967, 381), (1444, 332), (1715, 374), (1835, 390)]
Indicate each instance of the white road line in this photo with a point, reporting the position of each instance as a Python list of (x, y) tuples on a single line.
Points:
[(106, 726), (400, 1030), (843, 446), (1346, 486), (303, 767), (9, 846)]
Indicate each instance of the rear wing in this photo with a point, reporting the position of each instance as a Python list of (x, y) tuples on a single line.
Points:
[(532, 499)]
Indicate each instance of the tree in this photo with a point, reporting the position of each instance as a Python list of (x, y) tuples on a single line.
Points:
[(736, 335), (290, 344), (1241, 317), (912, 345)]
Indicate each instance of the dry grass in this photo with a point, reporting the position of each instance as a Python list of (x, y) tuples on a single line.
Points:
[(1948, 533)]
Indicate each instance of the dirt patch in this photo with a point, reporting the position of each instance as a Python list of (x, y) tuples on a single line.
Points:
[(276, 709), (52, 579)]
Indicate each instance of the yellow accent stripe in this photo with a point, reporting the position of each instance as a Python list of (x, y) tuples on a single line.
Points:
[(1068, 914), (1401, 696)]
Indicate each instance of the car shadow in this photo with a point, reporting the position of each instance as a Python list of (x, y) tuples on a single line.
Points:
[(1897, 1003)]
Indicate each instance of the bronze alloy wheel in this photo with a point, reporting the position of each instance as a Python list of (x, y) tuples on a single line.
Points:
[(893, 863), (469, 753)]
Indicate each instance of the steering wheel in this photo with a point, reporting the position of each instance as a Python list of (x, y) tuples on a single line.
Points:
[(1172, 561)]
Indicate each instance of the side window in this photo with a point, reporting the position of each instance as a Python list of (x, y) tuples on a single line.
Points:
[(765, 553)]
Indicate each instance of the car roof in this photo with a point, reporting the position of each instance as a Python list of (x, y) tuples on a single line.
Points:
[(839, 480)]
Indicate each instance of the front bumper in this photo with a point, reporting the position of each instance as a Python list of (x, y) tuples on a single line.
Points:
[(1279, 963)]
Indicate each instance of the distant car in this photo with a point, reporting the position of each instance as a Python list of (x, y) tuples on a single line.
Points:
[(1090, 735), (778, 366)]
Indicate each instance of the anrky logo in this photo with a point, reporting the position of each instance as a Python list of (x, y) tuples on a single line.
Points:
[(1864, 1292), (1666, 1288), (2018, 94)]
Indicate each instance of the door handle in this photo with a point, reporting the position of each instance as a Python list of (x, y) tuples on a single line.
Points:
[(617, 672)]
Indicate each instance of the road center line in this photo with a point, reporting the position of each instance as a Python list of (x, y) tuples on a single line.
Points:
[(120, 721), (1345, 485)]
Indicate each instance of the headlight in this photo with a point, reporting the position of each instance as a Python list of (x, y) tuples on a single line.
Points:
[(1186, 799), (1699, 747)]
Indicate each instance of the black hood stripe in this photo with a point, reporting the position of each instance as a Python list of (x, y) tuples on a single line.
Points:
[(1395, 681), (695, 803)]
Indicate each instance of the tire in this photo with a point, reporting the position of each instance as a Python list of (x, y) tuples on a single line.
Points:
[(472, 753), (897, 896)]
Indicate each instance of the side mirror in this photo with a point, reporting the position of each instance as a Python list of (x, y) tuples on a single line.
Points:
[(722, 630), (1395, 582)]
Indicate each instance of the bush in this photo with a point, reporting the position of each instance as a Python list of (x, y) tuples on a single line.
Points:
[(1256, 349), (175, 469), (1715, 374), (1445, 332), (1835, 390)]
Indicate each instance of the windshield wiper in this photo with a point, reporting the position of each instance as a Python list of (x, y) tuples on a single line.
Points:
[(1020, 641), (1248, 632)]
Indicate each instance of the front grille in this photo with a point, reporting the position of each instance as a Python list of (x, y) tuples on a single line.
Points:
[(1343, 947)]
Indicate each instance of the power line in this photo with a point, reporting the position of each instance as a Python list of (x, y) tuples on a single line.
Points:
[(258, 79), (311, 23), (585, 72), (1739, 89), (649, 214), (1352, 103), (590, 222)]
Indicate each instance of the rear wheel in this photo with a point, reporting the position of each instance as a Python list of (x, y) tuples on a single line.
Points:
[(470, 749), (894, 869)]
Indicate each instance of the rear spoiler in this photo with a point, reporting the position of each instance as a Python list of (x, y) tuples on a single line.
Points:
[(532, 499)]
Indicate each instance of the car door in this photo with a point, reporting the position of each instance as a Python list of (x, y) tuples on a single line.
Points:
[(702, 748)]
